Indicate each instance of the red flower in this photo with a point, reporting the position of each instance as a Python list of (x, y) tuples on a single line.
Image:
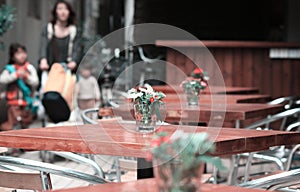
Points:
[(166, 139), (198, 71), (156, 142), (151, 99)]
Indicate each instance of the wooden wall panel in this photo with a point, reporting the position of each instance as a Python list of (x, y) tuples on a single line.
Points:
[(249, 67), (287, 76), (237, 67)]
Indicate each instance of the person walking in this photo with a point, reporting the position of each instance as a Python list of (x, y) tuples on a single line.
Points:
[(60, 39)]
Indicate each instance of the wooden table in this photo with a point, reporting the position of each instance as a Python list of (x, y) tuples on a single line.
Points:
[(121, 139), (149, 185), (213, 114), (209, 90), (220, 98)]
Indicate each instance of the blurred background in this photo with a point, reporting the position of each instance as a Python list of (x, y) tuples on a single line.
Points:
[(268, 20), (247, 20)]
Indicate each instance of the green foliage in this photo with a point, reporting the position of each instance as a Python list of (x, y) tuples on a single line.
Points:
[(179, 158), (191, 148), (6, 20)]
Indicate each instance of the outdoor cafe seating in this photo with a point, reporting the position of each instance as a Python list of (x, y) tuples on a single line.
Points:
[(257, 144)]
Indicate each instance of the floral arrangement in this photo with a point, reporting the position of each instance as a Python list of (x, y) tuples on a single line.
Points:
[(147, 101), (145, 95), (179, 159), (197, 80)]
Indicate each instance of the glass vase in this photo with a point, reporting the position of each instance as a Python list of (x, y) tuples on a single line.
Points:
[(172, 176), (145, 117), (192, 96)]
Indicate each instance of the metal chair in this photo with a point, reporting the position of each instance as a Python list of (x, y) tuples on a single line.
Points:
[(125, 163), (10, 163), (278, 155), (280, 181), (289, 101)]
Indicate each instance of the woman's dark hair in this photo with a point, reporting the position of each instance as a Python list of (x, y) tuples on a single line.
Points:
[(72, 15), (13, 49)]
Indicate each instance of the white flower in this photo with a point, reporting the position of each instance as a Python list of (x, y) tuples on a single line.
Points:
[(142, 89), (134, 95), (149, 88), (132, 90), (206, 78)]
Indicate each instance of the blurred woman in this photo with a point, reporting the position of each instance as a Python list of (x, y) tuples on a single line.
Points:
[(60, 39)]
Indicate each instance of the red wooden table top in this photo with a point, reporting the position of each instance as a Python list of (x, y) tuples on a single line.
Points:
[(149, 185), (120, 139), (209, 90), (220, 98), (217, 112)]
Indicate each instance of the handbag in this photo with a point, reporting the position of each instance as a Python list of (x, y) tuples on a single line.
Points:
[(57, 93)]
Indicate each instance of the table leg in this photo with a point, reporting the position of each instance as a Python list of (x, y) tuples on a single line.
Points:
[(237, 124), (145, 169)]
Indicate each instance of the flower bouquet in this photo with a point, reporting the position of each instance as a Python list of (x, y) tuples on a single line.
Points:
[(193, 84), (147, 103), (178, 160)]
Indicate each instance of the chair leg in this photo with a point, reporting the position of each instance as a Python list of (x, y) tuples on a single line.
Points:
[(247, 169), (46, 181), (215, 175), (233, 170), (118, 170), (290, 158)]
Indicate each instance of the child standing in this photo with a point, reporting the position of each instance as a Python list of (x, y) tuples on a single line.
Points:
[(88, 89), (20, 79)]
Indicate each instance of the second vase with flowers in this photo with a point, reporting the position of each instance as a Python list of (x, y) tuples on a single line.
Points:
[(178, 160), (147, 105), (194, 84)]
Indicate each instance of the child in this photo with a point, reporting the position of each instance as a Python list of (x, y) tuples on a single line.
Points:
[(20, 79), (88, 89)]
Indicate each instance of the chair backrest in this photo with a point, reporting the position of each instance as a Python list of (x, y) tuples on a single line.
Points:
[(279, 116), (85, 115), (294, 126), (50, 168), (289, 101), (23, 180)]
